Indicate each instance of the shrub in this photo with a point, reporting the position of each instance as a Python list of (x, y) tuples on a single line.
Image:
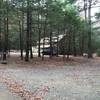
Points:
[(98, 52)]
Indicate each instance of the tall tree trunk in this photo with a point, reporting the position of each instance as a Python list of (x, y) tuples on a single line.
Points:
[(82, 37), (69, 44), (64, 53), (28, 32), (45, 28), (89, 31), (44, 39), (31, 52), (51, 47), (39, 32), (74, 44), (85, 10), (65, 35), (80, 44), (7, 41), (4, 40), (0, 26), (22, 33), (6, 30), (58, 41)]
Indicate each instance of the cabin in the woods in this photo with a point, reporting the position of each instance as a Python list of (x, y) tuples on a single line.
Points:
[(45, 44)]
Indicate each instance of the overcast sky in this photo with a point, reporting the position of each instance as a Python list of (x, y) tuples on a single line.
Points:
[(94, 10)]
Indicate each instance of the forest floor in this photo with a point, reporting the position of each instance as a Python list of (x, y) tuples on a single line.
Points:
[(55, 79)]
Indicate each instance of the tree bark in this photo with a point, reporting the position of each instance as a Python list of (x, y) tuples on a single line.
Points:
[(89, 31), (22, 33), (74, 44), (58, 42), (28, 32), (21, 48), (39, 31), (4, 40), (51, 47), (31, 52)]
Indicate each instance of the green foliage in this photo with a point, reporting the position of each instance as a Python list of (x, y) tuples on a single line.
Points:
[(60, 14), (98, 52)]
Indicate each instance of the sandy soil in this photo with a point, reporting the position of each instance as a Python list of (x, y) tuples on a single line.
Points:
[(75, 79)]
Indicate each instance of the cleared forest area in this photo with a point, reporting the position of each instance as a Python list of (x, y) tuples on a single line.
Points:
[(49, 50)]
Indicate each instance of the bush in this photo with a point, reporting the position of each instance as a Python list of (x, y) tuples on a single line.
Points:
[(98, 52)]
